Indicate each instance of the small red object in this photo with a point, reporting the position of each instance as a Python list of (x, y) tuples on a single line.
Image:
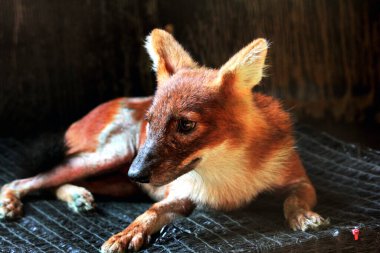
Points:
[(356, 232)]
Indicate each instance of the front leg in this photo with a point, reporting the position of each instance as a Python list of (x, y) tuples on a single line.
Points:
[(140, 230), (300, 200)]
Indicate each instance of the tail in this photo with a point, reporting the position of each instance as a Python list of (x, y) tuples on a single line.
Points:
[(40, 154)]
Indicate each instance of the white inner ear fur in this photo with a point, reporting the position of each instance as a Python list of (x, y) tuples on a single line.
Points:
[(248, 64), (151, 52), (167, 54)]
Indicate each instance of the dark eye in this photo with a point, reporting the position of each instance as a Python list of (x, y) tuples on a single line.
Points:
[(185, 126)]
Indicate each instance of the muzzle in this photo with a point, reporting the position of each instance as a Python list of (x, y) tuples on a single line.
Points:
[(141, 167)]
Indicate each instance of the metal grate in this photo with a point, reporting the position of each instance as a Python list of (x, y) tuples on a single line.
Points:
[(347, 179)]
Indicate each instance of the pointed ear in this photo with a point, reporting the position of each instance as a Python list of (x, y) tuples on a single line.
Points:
[(167, 54), (245, 69)]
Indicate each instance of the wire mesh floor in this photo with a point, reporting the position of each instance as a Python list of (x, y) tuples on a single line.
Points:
[(347, 179)]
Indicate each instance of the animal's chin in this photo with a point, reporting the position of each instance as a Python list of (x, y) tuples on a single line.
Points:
[(166, 180)]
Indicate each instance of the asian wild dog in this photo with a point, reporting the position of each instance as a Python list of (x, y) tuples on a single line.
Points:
[(204, 139)]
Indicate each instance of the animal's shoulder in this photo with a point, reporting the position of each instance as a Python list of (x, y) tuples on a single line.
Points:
[(274, 113)]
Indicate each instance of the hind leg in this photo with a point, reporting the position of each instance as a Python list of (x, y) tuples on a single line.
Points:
[(115, 185), (76, 168), (79, 197)]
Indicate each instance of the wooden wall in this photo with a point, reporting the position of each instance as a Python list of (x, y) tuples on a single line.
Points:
[(58, 59)]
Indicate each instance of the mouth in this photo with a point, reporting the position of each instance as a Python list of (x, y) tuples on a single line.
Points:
[(188, 167), (191, 165)]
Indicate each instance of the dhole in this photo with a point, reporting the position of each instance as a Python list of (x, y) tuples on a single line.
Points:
[(204, 139)]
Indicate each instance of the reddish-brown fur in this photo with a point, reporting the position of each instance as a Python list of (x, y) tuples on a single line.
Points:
[(82, 135), (240, 144), (114, 185)]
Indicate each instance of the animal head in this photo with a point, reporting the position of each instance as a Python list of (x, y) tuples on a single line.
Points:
[(195, 108)]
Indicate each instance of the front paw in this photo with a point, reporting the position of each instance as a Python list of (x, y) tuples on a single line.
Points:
[(306, 220), (131, 239), (10, 207)]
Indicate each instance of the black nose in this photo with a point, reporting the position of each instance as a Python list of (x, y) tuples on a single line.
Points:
[(140, 177)]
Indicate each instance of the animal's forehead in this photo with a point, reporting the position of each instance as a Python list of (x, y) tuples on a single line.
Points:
[(201, 76), (186, 90), (190, 81)]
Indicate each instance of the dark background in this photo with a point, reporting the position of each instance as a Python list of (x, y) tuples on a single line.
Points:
[(59, 59)]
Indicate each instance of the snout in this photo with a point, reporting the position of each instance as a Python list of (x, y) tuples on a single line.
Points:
[(153, 167), (140, 170), (139, 176), (143, 164)]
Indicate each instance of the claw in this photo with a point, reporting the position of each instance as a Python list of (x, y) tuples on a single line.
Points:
[(131, 239), (307, 220), (10, 207)]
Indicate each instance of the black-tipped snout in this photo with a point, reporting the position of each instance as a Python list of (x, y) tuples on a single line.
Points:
[(140, 170), (141, 167), (139, 176)]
